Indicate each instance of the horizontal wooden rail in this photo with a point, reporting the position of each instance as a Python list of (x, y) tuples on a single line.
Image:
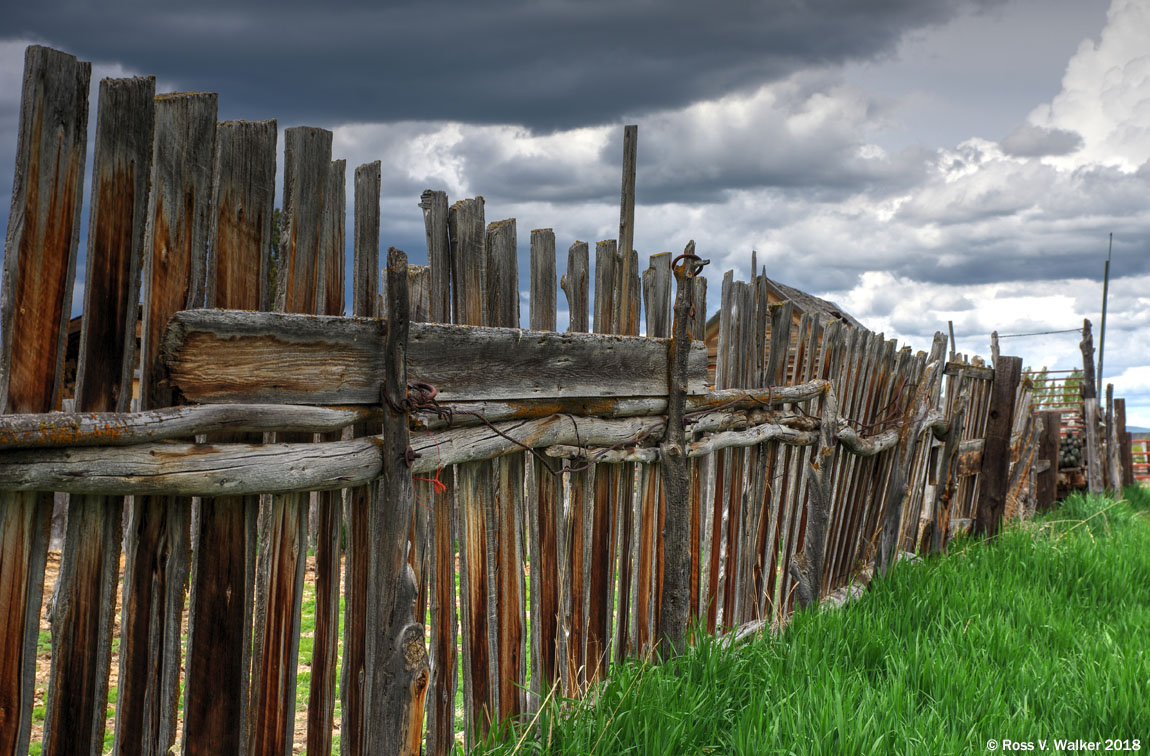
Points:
[(226, 356), (189, 469)]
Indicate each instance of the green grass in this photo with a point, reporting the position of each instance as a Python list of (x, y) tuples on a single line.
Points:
[(1042, 634)]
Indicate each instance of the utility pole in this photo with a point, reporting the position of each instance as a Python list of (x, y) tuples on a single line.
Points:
[(1102, 328)]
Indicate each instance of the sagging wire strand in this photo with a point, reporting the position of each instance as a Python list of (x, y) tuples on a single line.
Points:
[(421, 398)]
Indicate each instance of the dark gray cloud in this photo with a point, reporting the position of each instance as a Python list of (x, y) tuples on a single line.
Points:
[(1029, 140), (544, 63)]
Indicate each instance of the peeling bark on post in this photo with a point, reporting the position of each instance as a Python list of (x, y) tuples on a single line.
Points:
[(807, 568), (397, 670), (675, 604)]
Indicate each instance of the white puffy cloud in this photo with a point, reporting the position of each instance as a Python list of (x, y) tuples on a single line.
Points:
[(1105, 93)]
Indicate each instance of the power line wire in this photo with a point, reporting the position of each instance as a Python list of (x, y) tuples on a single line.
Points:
[(1037, 333)]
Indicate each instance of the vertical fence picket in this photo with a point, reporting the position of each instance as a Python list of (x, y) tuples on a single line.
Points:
[(697, 467), (441, 564), (283, 527), (606, 477), (996, 450), (39, 266), (362, 499), (328, 535), (157, 558), (544, 505), (474, 488), (90, 561), (223, 566), (502, 282), (578, 521), (397, 672)]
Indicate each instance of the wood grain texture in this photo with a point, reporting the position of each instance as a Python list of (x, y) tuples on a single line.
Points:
[(675, 601), (465, 223), (306, 244), (996, 453), (434, 206), (167, 423), (1126, 459), (1047, 489), (43, 229), (307, 161), (361, 500), (89, 572), (243, 201), (157, 555), (438, 495), (176, 237), (365, 262), (225, 356), (542, 280), (39, 265), (223, 556), (329, 504), (575, 286), (397, 672), (120, 175), (601, 597)]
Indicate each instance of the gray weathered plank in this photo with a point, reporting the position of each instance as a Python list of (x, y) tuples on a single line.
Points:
[(397, 672), (365, 279), (465, 223), (542, 280), (434, 206), (574, 284), (221, 356)]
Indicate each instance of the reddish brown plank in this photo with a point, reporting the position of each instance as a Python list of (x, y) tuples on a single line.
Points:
[(158, 543), (281, 561), (89, 573), (223, 570), (325, 648), (361, 500), (39, 262)]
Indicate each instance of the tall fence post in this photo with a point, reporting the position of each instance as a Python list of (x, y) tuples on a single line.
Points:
[(39, 265), (1126, 461), (1048, 479), (675, 604), (994, 476), (397, 670), (1090, 411)]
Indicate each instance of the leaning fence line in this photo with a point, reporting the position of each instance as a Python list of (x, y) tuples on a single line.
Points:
[(529, 458)]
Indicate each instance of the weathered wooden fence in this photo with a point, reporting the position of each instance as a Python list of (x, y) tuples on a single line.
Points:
[(520, 507)]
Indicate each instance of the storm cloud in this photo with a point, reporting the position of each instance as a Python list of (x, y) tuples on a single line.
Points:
[(542, 63)]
